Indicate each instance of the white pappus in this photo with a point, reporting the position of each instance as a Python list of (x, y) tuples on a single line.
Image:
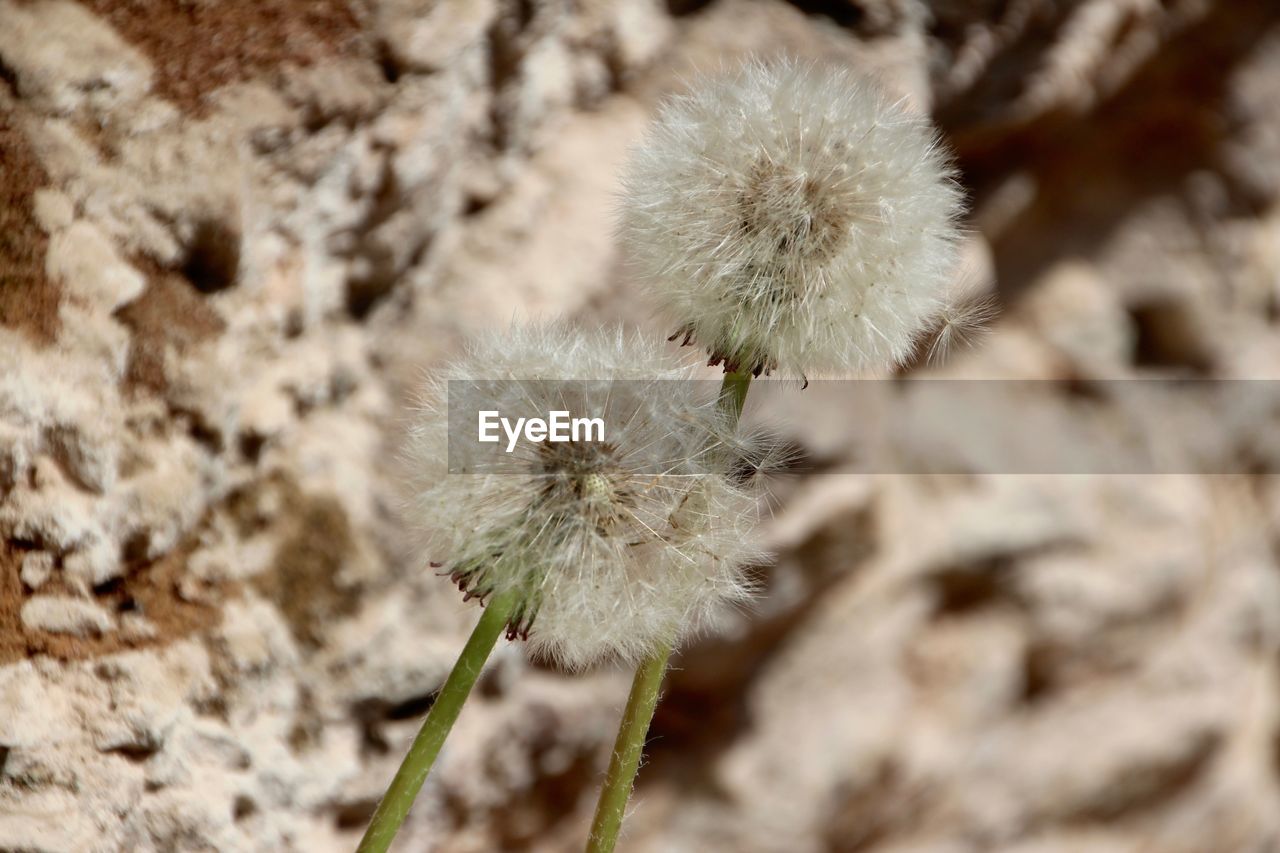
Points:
[(614, 547), (793, 218)]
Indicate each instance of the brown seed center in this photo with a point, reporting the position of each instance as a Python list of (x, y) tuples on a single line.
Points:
[(584, 478), (806, 217)]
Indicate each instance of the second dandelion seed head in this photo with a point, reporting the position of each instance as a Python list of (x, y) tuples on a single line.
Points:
[(615, 544), (792, 217)]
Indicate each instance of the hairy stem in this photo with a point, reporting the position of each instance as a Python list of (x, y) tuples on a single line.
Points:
[(733, 395), (435, 728), (643, 699), (627, 750)]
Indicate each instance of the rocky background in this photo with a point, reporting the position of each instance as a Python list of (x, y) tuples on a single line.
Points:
[(233, 237)]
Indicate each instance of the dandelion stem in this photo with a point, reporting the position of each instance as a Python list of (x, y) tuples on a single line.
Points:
[(643, 699), (435, 728), (733, 395), (626, 752)]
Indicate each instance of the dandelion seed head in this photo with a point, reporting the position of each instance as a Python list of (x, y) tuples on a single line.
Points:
[(792, 218), (614, 546)]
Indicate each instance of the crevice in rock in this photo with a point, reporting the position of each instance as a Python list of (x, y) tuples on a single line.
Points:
[(251, 444), (1039, 673), (213, 256), (243, 807), (408, 709), (109, 587), (681, 8), (506, 52), (1166, 337), (369, 715), (475, 205), (412, 708), (133, 549), (8, 77), (202, 432), (966, 588), (843, 13), (354, 814), (387, 64), (136, 753), (373, 713)]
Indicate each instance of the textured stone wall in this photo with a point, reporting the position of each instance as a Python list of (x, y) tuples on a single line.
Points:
[(234, 236)]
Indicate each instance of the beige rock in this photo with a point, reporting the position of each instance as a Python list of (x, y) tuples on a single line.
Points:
[(205, 447), (89, 267), (93, 564), (63, 615), (65, 58), (37, 566), (49, 820), (53, 209), (53, 514), (1077, 313), (427, 37)]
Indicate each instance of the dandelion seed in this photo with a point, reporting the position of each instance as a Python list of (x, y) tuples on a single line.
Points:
[(961, 324), (793, 219)]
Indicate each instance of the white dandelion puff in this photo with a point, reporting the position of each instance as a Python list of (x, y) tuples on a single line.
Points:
[(792, 218), (614, 546)]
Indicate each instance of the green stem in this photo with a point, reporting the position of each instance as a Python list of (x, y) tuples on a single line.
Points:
[(643, 699), (435, 728), (626, 753), (733, 395)]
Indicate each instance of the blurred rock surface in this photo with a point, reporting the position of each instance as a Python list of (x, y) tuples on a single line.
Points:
[(233, 237)]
